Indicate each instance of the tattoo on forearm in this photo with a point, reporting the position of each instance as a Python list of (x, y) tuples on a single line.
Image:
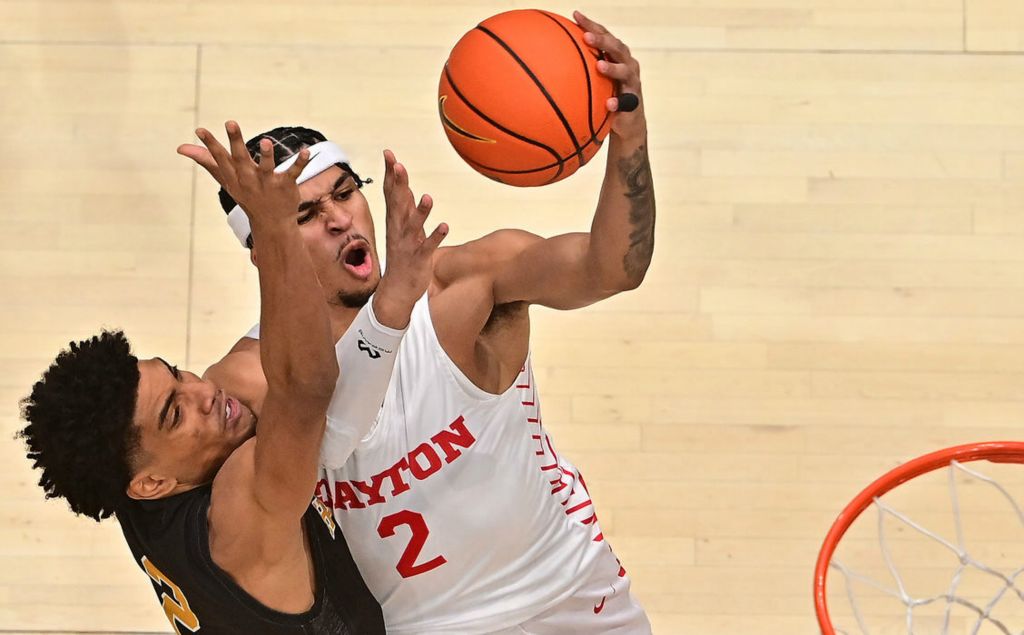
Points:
[(635, 171)]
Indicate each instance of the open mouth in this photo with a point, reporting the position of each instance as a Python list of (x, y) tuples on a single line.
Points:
[(357, 260), (232, 412)]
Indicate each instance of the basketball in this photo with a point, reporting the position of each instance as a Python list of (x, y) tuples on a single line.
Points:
[(521, 99)]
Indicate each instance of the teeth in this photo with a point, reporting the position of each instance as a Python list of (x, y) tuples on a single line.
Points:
[(227, 409)]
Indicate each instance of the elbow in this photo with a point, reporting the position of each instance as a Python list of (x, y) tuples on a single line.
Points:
[(626, 283), (635, 264), (319, 388), (630, 277), (633, 282)]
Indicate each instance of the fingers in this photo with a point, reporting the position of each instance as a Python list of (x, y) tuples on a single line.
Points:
[(201, 156), (238, 150), (395, 173), (433, 241), (389, 171), (423, 210), (425, 205), (587, 23), (219, 153), (300, 164), (609, 44), (266, 156), (622, 73), (600, 38), (626, 102), (396, 182), (401, 176)]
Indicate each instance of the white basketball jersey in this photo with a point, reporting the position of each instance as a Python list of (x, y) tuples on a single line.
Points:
[(459, 513)]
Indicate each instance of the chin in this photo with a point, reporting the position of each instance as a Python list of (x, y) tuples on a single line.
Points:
[(249, 430), (357, 298)]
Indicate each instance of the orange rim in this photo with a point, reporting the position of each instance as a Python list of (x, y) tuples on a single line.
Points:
[(995, 451)]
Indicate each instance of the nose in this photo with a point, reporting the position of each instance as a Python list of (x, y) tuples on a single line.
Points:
[(203, 393), (336, 219)]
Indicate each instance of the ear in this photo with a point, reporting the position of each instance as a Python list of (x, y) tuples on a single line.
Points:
[(148, 486)]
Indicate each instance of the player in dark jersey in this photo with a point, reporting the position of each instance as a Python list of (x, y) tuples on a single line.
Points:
[(219, 511)]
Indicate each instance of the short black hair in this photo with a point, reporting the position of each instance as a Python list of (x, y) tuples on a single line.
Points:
[(287, 141), (80, 430)]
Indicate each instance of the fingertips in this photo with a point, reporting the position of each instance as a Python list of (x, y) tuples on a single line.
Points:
[(266, 155), (437, 236), (401, 175), (298, 166), (426, 204)]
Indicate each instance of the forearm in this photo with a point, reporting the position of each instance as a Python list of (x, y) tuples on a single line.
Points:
[(296, 351), (366, 355), (622, 234)]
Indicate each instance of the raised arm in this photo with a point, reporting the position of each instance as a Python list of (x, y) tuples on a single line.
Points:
[(297, 353), (573, 270)]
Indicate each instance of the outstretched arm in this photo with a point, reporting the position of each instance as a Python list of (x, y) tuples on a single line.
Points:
[(296, 350), (574, 270)]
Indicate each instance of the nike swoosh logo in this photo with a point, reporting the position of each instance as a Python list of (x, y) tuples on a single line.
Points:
[(454, 127), (600, 607)]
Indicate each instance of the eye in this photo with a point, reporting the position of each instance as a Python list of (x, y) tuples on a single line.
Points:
[(177, 417), (343, 195), (306, 216)]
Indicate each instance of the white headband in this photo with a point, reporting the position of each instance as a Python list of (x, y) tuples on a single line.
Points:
[(321, 156)]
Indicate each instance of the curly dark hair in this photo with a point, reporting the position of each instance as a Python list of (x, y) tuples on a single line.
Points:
[(287, 142), (80, 431)]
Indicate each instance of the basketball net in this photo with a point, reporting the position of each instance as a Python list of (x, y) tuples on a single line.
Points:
[(1003, 579)]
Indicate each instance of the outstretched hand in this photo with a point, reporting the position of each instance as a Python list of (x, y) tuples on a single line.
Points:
[(260, 191), (410, 251)]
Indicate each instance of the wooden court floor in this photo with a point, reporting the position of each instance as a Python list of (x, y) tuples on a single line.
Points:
[(838, 282)]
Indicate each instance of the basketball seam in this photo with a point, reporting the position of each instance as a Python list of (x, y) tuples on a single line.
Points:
[(538, 83), (586, 74), (586, 145), (558, 160)]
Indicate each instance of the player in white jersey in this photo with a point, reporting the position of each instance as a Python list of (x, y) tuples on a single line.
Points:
[(459, 512)]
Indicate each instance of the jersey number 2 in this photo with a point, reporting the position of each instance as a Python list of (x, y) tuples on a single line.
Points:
[(175, 605), (407, 566)]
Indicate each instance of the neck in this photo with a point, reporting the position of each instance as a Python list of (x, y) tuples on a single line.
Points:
[(341, 318)]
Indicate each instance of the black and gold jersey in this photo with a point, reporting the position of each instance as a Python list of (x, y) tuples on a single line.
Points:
[(169, 539)]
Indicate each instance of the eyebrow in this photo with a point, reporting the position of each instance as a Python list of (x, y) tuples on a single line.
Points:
[(304, 205), (170, 397)]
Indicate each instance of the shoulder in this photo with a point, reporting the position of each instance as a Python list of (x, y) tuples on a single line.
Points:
[(481, 256), (240, 373)]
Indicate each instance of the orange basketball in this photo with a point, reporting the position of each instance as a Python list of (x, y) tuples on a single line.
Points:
[(521, 99)]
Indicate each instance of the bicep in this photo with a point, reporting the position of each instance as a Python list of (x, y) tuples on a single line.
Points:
[(552, 272)]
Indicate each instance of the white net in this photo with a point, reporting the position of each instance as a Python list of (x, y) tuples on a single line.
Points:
[(951, 565)]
